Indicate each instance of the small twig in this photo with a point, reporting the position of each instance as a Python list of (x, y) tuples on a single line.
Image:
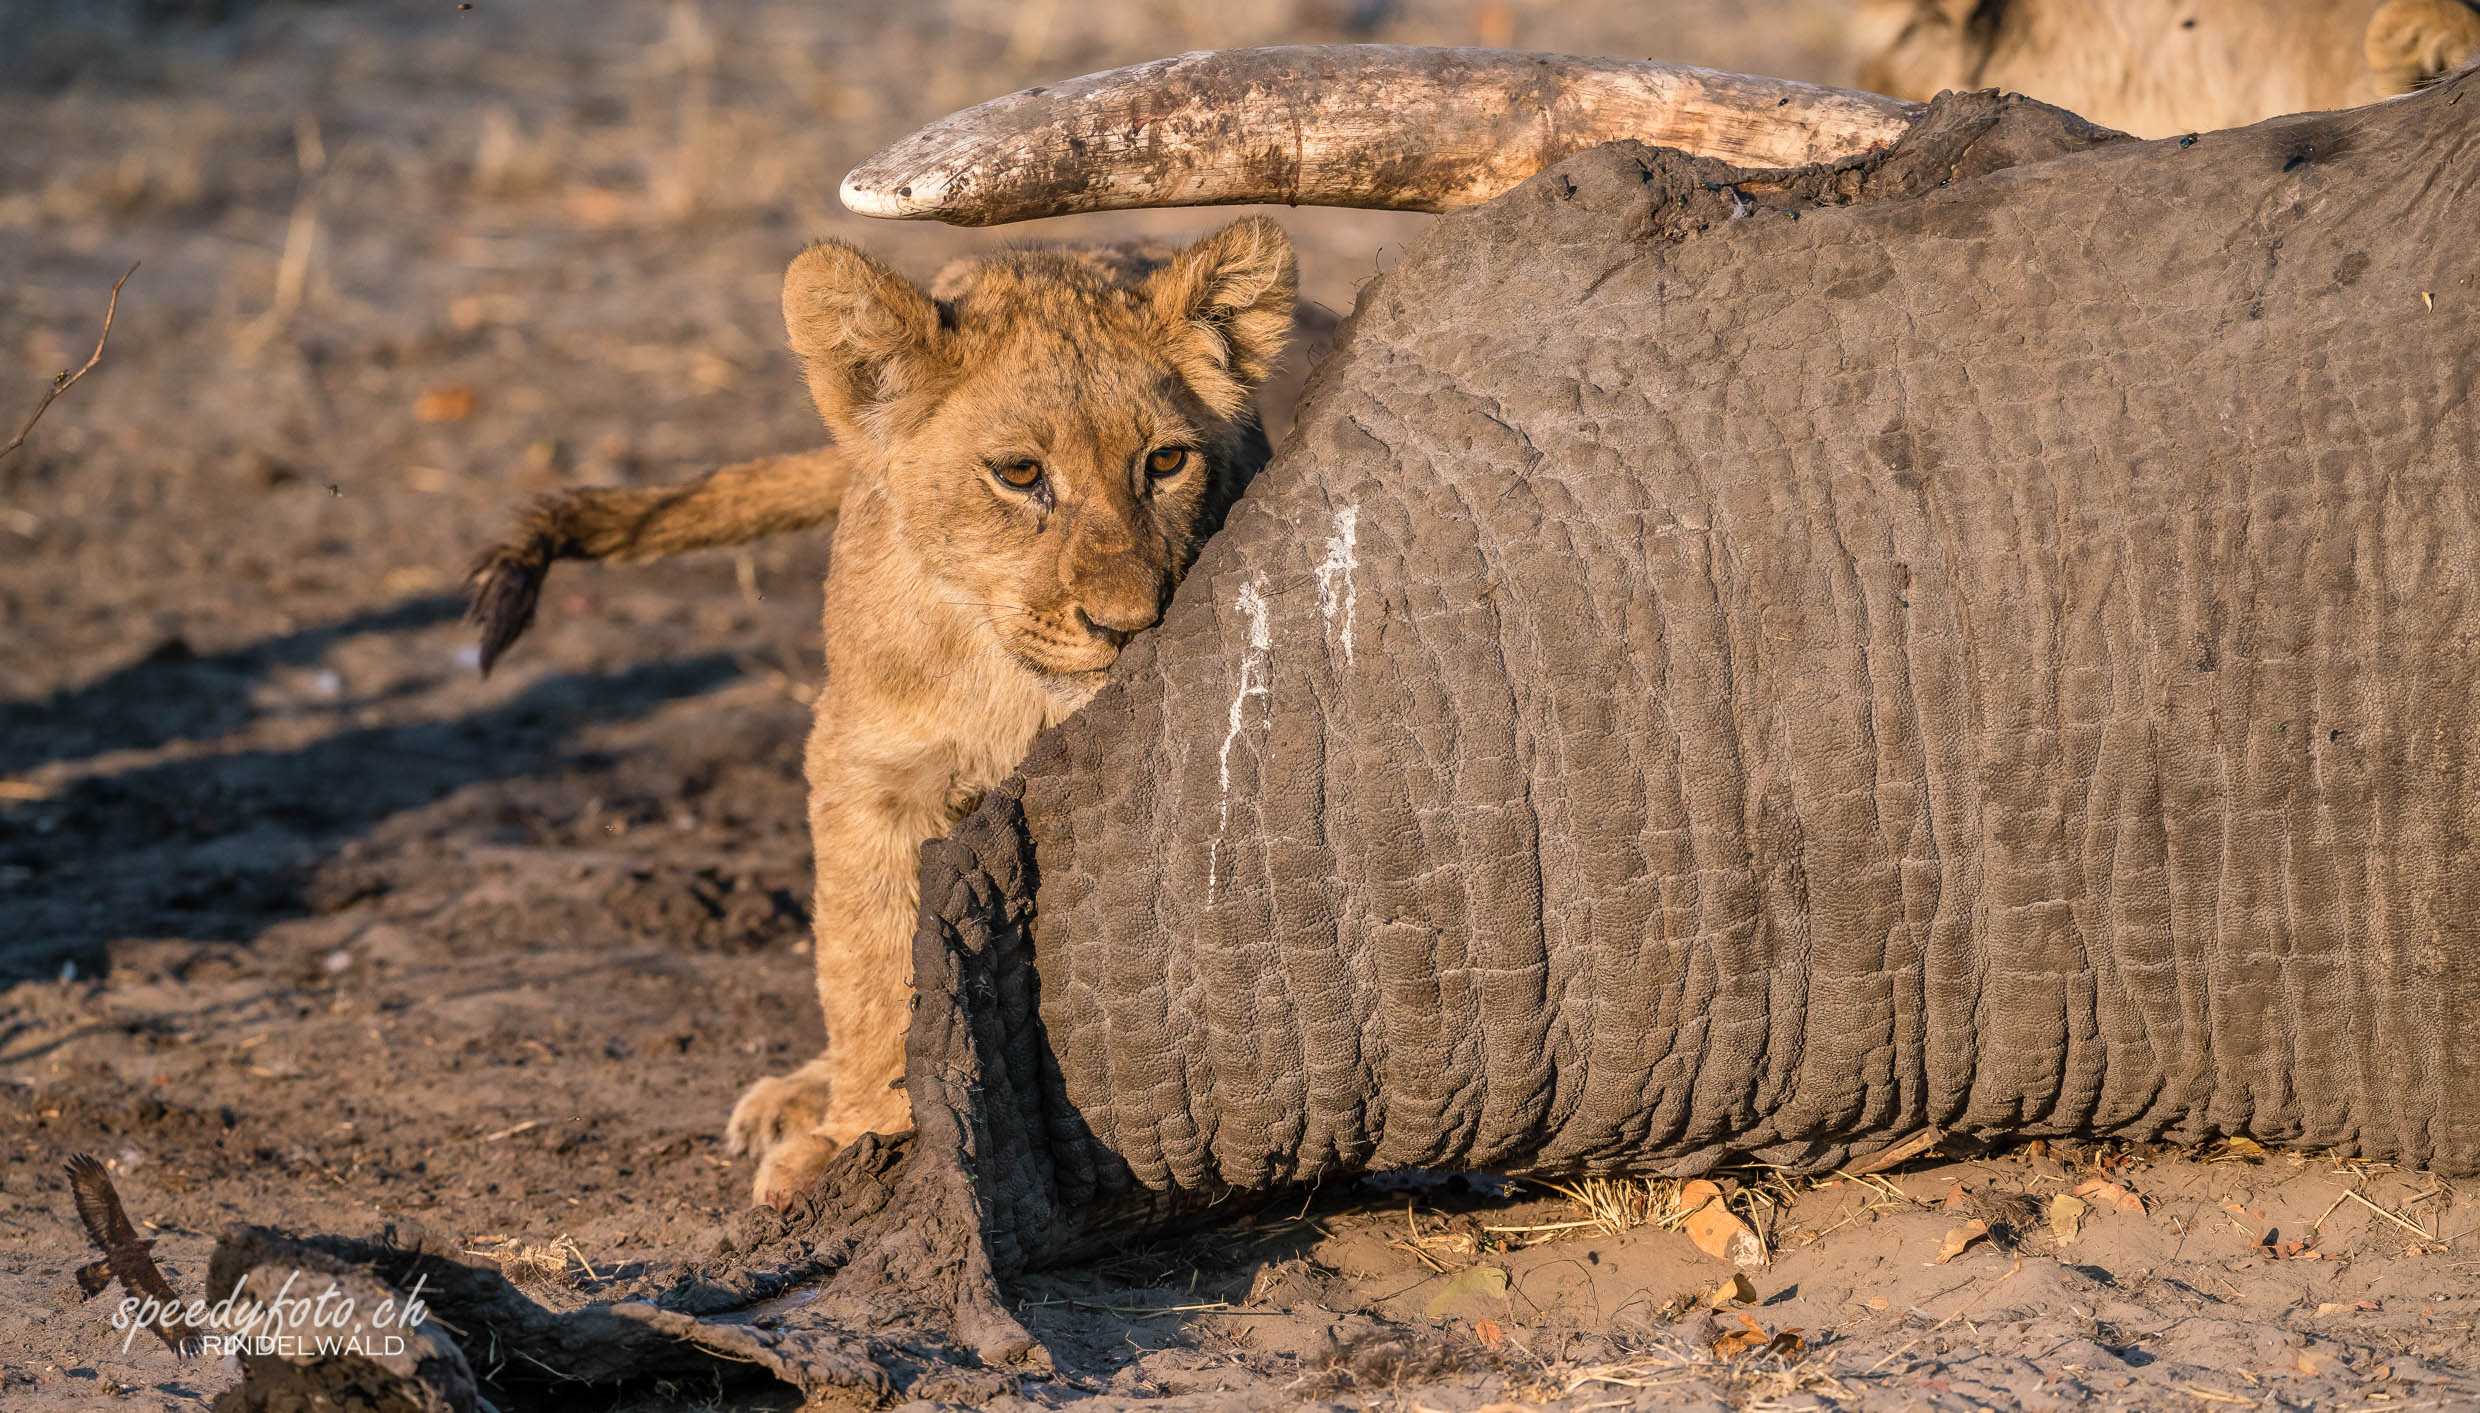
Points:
[(2395, 1217), (63, 383), (565, 1378), (2213, 1395), (1133, 1309), (579, 1252), (1899, 1151), (1876, 1182), (1423, 1257)]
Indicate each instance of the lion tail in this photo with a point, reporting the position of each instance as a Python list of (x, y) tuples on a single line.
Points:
[(730, 506)]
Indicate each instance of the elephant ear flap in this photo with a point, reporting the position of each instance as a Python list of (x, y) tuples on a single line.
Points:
[(869, 340), (1226, 308)]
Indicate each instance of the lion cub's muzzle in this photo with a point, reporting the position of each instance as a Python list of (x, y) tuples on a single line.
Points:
[(1083, 630), (1117, 597), (1116, 624)]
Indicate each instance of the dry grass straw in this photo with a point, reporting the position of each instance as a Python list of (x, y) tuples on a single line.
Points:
[(534, 1264), (1651, 1364), (1610, 1206), (301, 239)]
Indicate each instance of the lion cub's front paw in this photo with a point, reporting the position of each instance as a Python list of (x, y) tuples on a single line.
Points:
[(790, 1170), (779, 1106), (778, 1120)]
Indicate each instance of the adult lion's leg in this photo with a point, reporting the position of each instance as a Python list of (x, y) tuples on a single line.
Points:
[(866, 828)]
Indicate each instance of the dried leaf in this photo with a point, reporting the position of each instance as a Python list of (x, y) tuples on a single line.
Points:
[(1695, 1195), (1730, 1344), (1738, 1290), (1479, 1280), (1715, 1228), (1957, 1238), (1719, 1233), (2066, 1218), (1753, 1337), (2103, 1190), (453, 403), (2241, 1150), (2309, 1364), (1488, 1332)]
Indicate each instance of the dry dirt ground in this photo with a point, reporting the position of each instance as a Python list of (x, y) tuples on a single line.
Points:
[(303, 924)]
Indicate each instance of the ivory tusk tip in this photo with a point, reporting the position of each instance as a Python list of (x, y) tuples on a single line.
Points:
[(867, 192)]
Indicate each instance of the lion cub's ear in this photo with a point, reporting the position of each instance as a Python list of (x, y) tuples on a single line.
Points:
[(866, 336), (1227, 305), (2414, 43)]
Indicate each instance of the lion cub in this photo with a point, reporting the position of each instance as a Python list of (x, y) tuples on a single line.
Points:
[(1026, 461)]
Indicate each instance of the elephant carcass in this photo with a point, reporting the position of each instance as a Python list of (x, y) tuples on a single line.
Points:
[(2002, 659)]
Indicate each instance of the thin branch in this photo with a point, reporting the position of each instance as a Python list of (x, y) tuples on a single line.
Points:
[(1899, 1152), (63, 383)]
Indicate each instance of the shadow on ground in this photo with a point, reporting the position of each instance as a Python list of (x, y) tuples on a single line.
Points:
[(175, 694), (217, 846)]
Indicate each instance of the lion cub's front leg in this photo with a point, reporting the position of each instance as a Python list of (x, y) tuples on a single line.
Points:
[(867, 822)]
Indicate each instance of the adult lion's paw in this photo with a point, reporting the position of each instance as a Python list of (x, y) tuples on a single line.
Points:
[(778, 1119)]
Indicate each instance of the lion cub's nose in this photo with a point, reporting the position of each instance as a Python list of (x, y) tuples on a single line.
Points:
[(1120, 619), (1116, 595)]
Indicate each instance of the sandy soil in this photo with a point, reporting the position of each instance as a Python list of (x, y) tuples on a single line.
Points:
[(303, 924)]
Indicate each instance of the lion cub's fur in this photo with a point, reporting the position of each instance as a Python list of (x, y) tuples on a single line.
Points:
[(2159, 68), (963, 613)]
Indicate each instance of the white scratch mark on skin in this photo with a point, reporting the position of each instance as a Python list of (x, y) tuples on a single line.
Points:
[(1254, 665), (1342, 558)]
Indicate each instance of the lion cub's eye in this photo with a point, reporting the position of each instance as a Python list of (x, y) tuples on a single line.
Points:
[(1166, 461), (1023, 475)]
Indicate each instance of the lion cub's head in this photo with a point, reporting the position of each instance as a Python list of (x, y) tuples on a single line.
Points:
[(1058, 431)]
